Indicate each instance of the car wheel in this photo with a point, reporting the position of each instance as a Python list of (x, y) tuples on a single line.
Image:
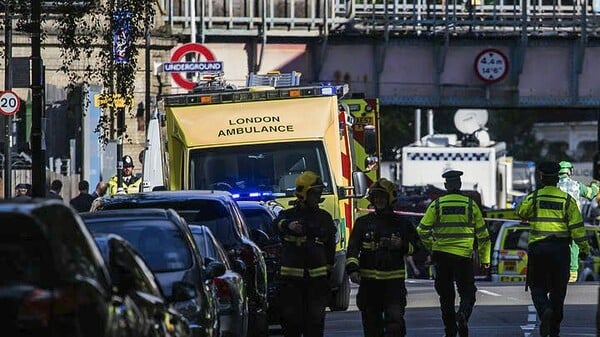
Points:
[(340, 300)]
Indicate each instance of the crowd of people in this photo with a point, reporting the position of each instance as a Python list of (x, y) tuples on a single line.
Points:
[(451, 232)]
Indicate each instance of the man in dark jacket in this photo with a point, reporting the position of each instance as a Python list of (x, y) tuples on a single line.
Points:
[(375, 260), (308, 251), (83, 201)]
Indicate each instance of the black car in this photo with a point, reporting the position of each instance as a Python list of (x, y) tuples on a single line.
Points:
[(132, 278), (259, 215), (53, 280), (164, 240), (218, 211), (231, 295)]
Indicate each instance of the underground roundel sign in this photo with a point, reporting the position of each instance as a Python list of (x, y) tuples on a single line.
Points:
[(176, 67), (491, 65)]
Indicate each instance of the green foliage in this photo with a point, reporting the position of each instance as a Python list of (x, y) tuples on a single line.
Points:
[(85, 36)]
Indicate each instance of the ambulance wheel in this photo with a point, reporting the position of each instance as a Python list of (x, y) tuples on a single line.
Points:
[(340, 300)]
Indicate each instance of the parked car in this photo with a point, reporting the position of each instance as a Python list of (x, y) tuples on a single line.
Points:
[(53, 280), (132, 278), (164, 240), (509, 256), (231, 295), (218, 211), (259, 215)]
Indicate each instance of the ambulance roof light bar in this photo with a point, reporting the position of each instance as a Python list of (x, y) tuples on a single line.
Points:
[(274, 79), (245, 95)]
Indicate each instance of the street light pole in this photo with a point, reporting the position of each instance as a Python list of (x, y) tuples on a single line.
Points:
[(7, 86), (38, 176)]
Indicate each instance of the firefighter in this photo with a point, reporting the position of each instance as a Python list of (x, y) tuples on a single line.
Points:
[(307, 256), (554, 221), (130, 183), (577, 190), (375, 260), (448, 229)]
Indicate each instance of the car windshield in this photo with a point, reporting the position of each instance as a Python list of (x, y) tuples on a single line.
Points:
[(24, 252), (261, 168), (516, 238), (158, 241), (257, 218)]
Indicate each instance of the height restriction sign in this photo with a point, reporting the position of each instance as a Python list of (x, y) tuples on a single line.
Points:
[(491, 65), (10, 103)]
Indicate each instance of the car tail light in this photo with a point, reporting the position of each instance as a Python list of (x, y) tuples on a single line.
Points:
[(223, 291), (37, 307)]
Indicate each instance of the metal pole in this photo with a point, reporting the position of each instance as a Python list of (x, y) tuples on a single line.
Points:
[(38, 176), (7, 86), (148, 69)]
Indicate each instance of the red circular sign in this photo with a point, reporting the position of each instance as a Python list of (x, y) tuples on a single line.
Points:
[(9, 103), (491, 65), (183, 50)]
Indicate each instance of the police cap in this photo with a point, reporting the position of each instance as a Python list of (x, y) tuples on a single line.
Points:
[(127, 161), (22, 186), (549, 168), (452, 175)]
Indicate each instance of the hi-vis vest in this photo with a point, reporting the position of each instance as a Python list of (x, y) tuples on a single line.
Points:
[(132, 187), (553, 213), (451, 224)]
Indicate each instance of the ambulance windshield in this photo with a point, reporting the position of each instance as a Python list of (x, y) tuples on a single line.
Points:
[(258, 170)]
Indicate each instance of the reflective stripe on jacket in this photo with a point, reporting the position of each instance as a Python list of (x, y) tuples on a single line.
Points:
[(451, 224)]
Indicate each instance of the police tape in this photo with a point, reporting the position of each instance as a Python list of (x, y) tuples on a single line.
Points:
[(422, 214)]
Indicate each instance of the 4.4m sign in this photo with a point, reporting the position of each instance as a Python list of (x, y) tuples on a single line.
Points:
[(10, 103)]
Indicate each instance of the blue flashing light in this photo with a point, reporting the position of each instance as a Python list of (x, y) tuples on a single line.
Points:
[(328, 91), (236, 196), (254, 194)]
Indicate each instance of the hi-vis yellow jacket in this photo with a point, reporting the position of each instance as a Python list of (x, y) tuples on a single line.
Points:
[(451, 224), (553, 213)]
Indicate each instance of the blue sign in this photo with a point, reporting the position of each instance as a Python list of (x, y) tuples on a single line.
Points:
[(193, 67), (121, 36)]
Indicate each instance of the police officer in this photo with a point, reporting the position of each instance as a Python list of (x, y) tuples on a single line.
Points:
[(375, 260), (130, 183), (448, 229), (307, 256), (577, 190), (554, 221)]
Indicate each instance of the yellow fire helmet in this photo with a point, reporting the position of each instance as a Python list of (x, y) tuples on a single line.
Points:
[(385, 186), (305, 182)]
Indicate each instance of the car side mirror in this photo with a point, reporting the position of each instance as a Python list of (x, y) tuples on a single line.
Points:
[(259, 237), (183, 291), (359, 180), (215, 269), (238, 266)]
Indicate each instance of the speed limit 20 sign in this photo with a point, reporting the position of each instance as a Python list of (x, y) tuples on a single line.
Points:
[(10, 103)]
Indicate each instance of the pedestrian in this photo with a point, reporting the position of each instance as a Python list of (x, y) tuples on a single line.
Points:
[(554, 221), (577, 190), (22, 192), (54, 192), (83, 201), (307, 256), (375, 260), (100, 191), (450, 228), (130, 183)]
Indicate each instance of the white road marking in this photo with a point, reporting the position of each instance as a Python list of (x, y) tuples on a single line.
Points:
[(488, 292), (532, 320)]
